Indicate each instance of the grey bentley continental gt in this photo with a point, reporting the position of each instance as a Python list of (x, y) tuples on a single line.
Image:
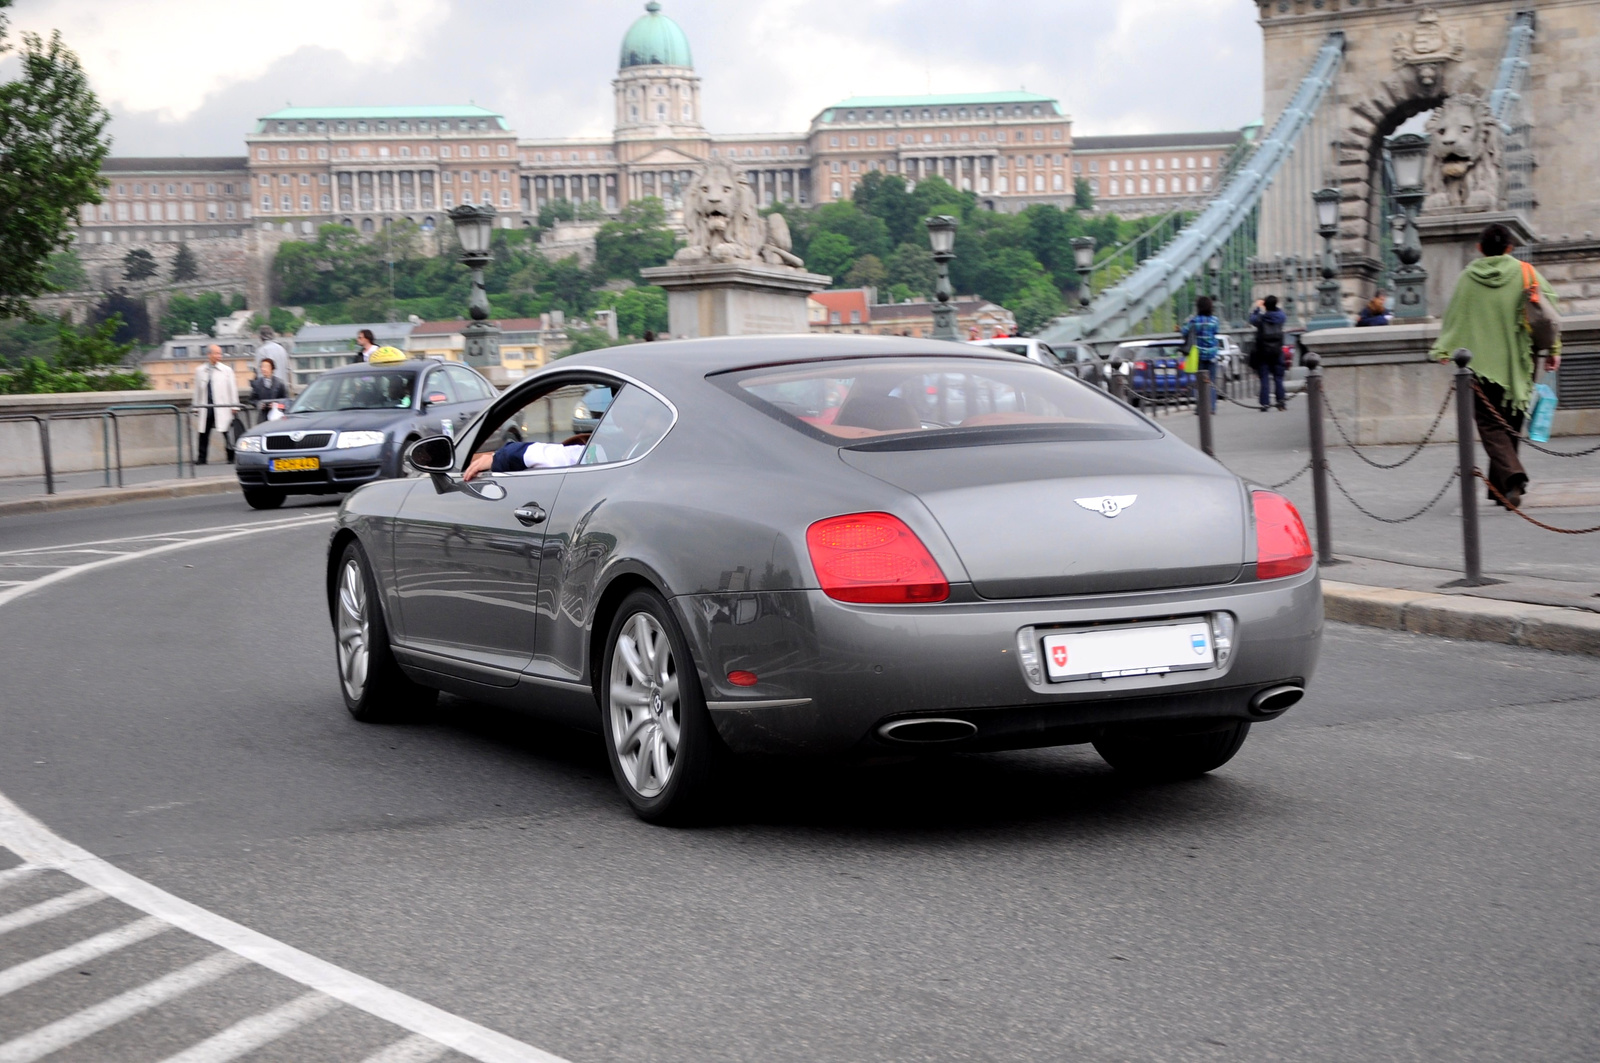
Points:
[(844, 546)]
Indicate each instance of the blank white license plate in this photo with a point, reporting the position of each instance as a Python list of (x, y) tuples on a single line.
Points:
[(1105, 653)]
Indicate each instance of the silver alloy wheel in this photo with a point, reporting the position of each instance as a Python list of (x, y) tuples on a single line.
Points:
[(354, 630), (643, 704)]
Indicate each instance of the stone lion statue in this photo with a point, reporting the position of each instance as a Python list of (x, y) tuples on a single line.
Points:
[(1463, 157), (719, 211)]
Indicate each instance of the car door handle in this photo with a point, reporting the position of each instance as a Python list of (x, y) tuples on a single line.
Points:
[(530, 514)]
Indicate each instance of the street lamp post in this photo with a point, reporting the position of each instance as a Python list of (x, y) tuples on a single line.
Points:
[(480, 338), (1083, 259), (1328, 315), (1407, 154), (1213, 269), (942, 235)]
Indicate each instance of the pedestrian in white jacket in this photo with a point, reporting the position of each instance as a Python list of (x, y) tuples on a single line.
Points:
[(216, 392)]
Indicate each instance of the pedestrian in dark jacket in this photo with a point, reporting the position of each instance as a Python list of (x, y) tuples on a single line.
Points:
[(266, 389), (1374, 313), (1266, 358)]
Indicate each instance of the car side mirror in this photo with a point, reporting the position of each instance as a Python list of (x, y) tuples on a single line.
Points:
[(435, 456)]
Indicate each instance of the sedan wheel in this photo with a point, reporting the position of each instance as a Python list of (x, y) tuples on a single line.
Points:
[(661, 743), (375, 689)]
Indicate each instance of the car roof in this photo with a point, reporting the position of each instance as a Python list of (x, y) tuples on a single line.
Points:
[(1175, 341), (668, 361)]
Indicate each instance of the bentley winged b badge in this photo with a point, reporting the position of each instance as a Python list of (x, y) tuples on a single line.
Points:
[(1107, 505)]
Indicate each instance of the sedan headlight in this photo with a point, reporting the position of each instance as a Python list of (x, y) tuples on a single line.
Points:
[(580, 412), (249, 444), (347, 440)]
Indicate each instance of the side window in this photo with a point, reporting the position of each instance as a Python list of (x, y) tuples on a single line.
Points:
[(469, 385), (436, 389), (635, 422), (1052, 354), (564, 412)]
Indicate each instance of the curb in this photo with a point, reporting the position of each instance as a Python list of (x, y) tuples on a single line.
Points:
[(110, 496), (1461, 616)]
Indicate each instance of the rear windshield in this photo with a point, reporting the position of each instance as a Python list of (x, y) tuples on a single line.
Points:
[(375, 389), (918, 403)]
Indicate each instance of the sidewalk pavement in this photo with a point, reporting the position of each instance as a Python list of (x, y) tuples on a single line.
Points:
[(1400, 575), (80, 490)]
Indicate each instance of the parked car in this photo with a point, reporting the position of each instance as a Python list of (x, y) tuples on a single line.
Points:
[(352, 425), (1078, 359), (788, 544), (1155, 369)]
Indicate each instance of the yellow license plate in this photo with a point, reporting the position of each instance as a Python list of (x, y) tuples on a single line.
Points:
[(296, 464)]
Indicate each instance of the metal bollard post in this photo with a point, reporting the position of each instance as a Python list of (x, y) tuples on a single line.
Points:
[(1471, 553), (44, 451), (1203, 392), (1319, 457), (1117, 386)]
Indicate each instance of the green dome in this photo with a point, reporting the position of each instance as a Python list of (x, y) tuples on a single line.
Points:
[(655, 40)]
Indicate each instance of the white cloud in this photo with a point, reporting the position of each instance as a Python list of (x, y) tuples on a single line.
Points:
[(166, 56)]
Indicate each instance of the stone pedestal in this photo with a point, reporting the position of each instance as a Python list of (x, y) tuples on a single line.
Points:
[(734, 298), (1383, 388), (1450, 243)]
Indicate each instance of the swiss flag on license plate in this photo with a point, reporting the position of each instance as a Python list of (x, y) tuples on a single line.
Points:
[(1059, 655)]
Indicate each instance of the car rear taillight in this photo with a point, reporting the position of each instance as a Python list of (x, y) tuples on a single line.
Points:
[(1282, 545), (1140, 365), (874, 558)]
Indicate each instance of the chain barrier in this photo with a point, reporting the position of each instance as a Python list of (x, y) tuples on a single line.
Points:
[(1449, 397), (1524, 439), (1285, 483), (1506, 502), (1393, 520)]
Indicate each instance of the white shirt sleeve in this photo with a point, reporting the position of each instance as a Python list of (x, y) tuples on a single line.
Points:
[(551, 455)]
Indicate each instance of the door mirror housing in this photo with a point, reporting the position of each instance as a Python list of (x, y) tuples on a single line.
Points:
[(435, 455)]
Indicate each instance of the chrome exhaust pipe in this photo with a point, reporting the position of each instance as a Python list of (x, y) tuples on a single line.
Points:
[(1274, 700), (927, 730)]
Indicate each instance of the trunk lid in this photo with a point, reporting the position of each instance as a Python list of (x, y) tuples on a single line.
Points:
[(1012, 513)]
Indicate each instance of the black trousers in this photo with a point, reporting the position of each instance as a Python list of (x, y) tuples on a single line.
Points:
[(205, 438), (1499, 435)]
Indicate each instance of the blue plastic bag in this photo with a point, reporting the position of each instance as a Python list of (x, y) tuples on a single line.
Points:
[(1544, 413)]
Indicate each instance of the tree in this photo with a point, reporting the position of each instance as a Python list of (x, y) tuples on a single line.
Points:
[(200, 310), (587, 339), (639, 310), (66, 273), (1082, 198), (184, 265), (885, 196), (556, 210), (638, 239), (133, 321), (830, 253), (867, 272), (912, 267), (590, 210), (867, 233), (138, 265), (1035, 305), (51, 148)]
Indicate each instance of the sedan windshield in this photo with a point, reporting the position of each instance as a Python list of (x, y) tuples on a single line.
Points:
[(925, 402), (375, 390)]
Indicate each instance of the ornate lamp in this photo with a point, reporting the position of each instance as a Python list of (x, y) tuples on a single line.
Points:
[(942, 237), (1083, 260), (1407, 156), (1328, 315), (474, 226)]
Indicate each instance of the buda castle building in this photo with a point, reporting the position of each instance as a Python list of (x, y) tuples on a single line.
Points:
[(366, 167)]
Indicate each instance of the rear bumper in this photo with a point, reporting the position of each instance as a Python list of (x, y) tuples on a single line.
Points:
[(829, 675)]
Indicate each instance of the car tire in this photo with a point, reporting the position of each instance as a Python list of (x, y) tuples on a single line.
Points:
[(375, 690), (264, 497), (663, 749), (1175, 757)]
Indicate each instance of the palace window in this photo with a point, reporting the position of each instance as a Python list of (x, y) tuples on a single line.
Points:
[(302, 153), (1161, 185), (1144, 186), (1113, 188)]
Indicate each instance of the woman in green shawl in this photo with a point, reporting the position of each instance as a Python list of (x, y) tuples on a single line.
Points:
[(1485, 316)]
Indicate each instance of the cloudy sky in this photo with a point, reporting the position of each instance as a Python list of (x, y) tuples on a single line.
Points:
[(187, 77)]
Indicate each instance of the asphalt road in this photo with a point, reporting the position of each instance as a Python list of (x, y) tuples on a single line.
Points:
[(1403, 867)]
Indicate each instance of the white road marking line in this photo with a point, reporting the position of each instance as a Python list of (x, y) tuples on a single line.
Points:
[(258, 1030), (13, 593), (38, 913), (37, 844), (158, 535), (106, 1014), (17, 874), (50, 964), (411, 1050)]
